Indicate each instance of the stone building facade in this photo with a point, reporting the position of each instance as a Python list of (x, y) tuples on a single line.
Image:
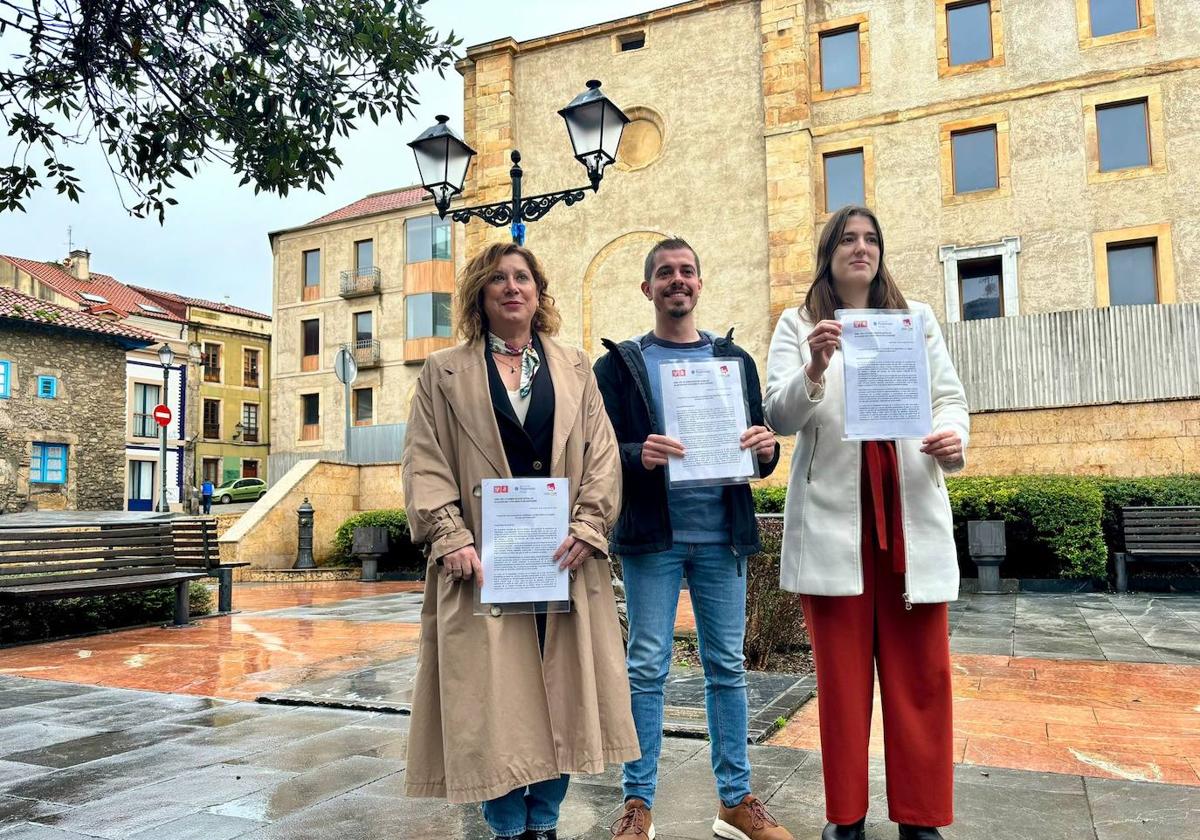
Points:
[(62, 416), (375, 277), (1025, 159)]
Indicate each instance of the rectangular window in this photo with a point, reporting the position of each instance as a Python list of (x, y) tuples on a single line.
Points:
[(974, 156), (1111, 16), (981, 288), (969, 29), (250, 422), (364, 406), (1124, 135), (310, 417), (845, 180), (363, 330), (312, 275), (47, 387), (840, 60), (310, 344), (141, 481), (48, 464), (212, 419), (250, 368), (426, 238), (428, 315), (629, 41), (211, 355), (1132, 274), (364, 256), (5, 379), (145, 397), (211, 470)]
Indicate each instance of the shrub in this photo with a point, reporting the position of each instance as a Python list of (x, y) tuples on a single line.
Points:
[(769, 499), (403, 552), (774, 620), (1053, 523), (36, 620)]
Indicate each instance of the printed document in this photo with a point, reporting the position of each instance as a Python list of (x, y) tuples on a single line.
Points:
[(524, 522), (886, 374), (704, 408)]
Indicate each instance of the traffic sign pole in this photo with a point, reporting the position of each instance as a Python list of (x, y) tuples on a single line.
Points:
[(345, 368)]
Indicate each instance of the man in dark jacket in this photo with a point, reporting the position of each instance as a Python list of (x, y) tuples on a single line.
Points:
[(665, 533)]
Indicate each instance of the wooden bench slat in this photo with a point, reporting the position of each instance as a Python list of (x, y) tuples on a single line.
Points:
[(80, 565), (98, 542), (83, 534), (132, 552), (123, 571), (1194, 536), (1163, 552), (77, 588)]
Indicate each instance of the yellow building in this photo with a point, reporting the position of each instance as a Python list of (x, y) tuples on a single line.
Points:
[(376, 277), (1035, 166), (231, 430)]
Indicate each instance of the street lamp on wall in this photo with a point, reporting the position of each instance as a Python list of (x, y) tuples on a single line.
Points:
[(166, 357), (594, 125)]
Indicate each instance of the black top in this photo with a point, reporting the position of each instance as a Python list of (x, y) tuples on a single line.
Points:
[(526, 446)]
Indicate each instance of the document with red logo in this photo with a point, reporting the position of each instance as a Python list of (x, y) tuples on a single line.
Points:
[(704, 408), (524, 522), (886, 374)]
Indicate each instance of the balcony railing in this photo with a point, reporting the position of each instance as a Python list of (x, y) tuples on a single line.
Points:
[(212, 431), (212, 373), (249, 378), (366, 352), (144, 425), (250, 434), (361, 281)]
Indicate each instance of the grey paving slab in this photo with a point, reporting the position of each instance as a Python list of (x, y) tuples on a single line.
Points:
[(75, 785), (215, 784), (326, 748), (118, 816), (1134, 811), (102, 745), (34, 735), (200, 826), (14, 771), (307, 789), (35, 831), (15, 810), (146, 709)]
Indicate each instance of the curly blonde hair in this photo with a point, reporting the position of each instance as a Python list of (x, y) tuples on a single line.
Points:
[(472, 322)]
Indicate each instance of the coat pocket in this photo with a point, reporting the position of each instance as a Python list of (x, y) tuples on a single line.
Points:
[(813, 456)]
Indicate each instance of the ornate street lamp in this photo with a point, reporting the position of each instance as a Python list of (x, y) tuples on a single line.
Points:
[(166, 356), (594, 125)]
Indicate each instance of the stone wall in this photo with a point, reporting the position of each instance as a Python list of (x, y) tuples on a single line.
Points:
[(87, 414)]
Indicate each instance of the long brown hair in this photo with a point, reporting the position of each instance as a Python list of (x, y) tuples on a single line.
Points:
[(822, 299), (472, 322)]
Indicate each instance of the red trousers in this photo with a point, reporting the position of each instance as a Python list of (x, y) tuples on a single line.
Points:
[(851, 638)]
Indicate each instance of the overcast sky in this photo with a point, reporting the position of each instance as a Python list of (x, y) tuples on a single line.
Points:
[(214, 243)]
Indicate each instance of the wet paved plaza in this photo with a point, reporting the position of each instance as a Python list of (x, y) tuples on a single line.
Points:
[(1075, 717)]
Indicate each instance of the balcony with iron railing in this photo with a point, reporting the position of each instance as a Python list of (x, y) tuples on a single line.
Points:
[(212, 431), (366, 352), (249, 377), (144, 425), (361, 281), (250, 434), (212, 373)]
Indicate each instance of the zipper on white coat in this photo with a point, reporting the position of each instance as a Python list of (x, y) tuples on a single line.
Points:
[(903, 528), (813, 457)]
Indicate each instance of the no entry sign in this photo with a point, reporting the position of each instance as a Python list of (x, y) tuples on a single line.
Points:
[(162, 415)]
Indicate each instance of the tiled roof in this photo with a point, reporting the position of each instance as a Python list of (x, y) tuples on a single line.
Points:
[(377, 203), (124, 299), (21, 307), (167, 298)]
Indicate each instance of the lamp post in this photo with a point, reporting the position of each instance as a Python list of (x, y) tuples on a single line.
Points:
[(594, 125), (165, 357)]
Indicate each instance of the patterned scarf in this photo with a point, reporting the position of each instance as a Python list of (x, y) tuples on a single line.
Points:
[(529, 359)]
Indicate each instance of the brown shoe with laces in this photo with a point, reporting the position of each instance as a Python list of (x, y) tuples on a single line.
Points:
[(748, 820), (635, 823)]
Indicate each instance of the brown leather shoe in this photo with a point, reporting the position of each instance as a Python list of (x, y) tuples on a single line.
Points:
[(635, 823), (748, 820)]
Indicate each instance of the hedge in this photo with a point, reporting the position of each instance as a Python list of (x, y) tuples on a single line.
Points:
[(38, 620), (1057, 526), (403, 552), (774, 619)]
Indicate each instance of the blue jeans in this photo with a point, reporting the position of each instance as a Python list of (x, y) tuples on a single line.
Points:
[(719, 603), (533, 808)]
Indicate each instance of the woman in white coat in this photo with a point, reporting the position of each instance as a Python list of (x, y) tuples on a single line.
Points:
[(868, 541)]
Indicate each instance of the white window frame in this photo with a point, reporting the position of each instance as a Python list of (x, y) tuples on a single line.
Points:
[(1007, 249)]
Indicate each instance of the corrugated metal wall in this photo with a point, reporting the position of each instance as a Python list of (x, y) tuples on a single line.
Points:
[(1116, 354), (368, 444)]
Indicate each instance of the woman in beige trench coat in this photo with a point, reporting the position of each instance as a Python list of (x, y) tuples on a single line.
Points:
[(506, 706)]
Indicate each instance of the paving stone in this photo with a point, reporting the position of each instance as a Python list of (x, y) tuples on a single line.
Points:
[(103, 745), (325, 748), (987, 811), (76, 785), (35, 831), (358, 817), (201, 826), (14, 810), (216, 784), (119, 816), (1138, 810), (34, 735), (12, 772), (38, 691), (280, 800), (149, 708)]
